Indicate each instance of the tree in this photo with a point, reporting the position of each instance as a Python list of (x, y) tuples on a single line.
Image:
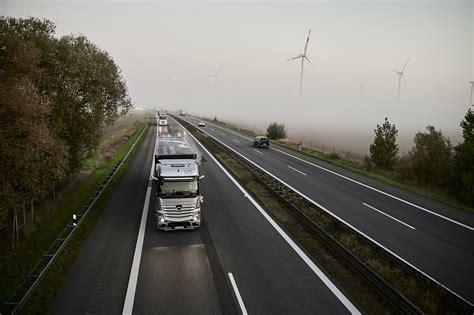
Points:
[(85, 88), (276, 131), (464, 160), (384, 149), (429, 161), (31, 156)]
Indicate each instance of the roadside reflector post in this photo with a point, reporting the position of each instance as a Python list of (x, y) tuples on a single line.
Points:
[(74, 220)]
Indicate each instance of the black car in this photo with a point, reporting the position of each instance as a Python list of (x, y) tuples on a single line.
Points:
[(261, 142)]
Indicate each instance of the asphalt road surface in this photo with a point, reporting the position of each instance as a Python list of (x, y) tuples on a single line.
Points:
[(238, 261), (432, 236)]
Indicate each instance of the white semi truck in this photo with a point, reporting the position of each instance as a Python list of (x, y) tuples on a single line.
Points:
[(176, 174)]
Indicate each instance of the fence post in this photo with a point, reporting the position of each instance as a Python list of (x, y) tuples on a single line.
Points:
[(54, 193), (24, 221), (13, 230)]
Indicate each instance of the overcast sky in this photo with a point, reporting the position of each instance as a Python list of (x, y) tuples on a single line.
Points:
[(166, 51)]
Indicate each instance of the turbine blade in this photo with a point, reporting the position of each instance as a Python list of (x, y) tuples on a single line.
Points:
[(309, 62), (220, 69), (307, 41), (294, 58), (405, 64)]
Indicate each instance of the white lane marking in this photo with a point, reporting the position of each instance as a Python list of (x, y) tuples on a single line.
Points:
[(237, 294), (294, 169), (367, 186), (222, 133), (373, 208), (343, 221), (257, 151), (132, 281), (236, 140), (379, 191), (344, 300)]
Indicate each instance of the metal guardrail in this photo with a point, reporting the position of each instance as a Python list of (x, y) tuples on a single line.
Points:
[(24, 290), (292, 198)]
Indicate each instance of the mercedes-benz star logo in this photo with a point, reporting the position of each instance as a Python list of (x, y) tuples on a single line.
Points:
[(179, 207)]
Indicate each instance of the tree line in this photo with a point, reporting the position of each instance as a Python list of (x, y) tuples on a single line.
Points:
[(56, 97), (432, 162)]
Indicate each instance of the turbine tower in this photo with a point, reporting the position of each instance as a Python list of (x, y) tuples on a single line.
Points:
[(472, 91), (216, 76), (303, 57), (400, 75), (361, 87)]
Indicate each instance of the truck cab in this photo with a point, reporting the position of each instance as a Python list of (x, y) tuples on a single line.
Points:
[(177, 178)]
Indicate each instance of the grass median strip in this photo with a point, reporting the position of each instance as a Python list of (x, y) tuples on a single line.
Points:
[(419, 289), (16, 267)]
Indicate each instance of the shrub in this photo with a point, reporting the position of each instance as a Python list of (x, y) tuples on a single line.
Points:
[(276, 131)]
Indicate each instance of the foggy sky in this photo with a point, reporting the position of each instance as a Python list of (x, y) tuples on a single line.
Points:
[(166, 51)]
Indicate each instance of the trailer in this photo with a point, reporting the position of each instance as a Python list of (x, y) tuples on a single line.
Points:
[(177, 179)]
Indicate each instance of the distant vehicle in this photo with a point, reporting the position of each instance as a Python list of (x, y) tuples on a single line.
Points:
[(261, 142), (176, 173), (162, 121), (182, 112), (201, 124)]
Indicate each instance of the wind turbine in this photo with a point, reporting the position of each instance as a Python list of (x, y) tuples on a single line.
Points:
[(361, 87), (216, 76), (303, 57), (400, 75), (472, 91)]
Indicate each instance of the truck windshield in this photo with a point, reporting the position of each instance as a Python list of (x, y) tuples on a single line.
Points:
[(178, 187)]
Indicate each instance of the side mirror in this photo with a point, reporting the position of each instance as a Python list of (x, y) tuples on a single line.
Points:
[(153, 177), (202, 176)]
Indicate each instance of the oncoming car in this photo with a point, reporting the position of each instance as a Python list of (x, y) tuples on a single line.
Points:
[(261, 142), (201, 124)]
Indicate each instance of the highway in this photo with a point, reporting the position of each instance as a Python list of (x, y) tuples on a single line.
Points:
[(433, 237), (238, 261)]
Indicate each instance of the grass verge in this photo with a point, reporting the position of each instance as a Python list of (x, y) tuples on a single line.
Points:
[(15, 267), (430, 297)]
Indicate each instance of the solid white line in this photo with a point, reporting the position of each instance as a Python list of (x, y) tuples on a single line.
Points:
[(132, 281), (367, 186), (343, 221), (294, 169), (236, 140), (237, 294), (257, 151), (344, 300), (379, 191), (411, 227)]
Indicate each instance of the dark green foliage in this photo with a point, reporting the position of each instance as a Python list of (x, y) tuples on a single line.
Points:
[(429, 162), (384, 150), (276, 131), (464, 161)]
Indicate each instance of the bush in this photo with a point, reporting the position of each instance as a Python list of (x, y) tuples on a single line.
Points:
[(276, 131), (215, 119), (384, 150), (429, 162)]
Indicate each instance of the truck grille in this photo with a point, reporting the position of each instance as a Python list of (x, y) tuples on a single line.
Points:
[(178, 212)]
